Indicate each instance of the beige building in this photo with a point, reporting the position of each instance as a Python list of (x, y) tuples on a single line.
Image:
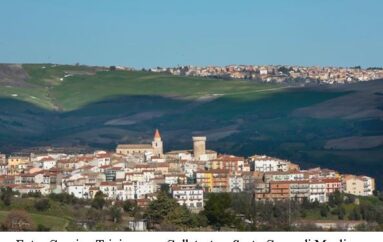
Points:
[(156, 148), (126, 149), (199, 147), (358, 185), (17, 164)]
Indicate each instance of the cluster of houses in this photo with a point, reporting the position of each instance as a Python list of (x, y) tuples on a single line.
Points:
[(272, 73), (139, 171)]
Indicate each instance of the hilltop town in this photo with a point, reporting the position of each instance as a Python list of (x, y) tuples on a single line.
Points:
[(138, 172), (280, 74)]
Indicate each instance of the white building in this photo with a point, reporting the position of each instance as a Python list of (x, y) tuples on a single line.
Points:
[(32, 188), (263, 71), (48, 163), (269, 164), (236, 184), (173, 179), (135, 190), (189, 168), (189, 195), (286, 176), (101, 159), (318, 191), (79, 191), (109, 189), (140, 225)]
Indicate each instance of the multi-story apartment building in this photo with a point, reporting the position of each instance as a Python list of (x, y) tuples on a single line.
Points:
[(358, 185), (280, 190), (173, 179), (230, 163), (270, 164), (333, 185), (213, 180), (299, 190), (318, 190), (285, 176), (189, 195), (109, 189)]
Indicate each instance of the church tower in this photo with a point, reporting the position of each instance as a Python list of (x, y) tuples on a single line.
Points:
[(157, 144)]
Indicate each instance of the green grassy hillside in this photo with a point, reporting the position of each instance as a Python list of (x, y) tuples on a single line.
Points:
[(93, 107), (71, 87)]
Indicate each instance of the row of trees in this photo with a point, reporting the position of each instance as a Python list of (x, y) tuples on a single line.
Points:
[(222, 211)]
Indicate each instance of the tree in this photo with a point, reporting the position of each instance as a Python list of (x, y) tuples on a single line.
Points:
[(159, 209), (165, 188), (92, 216), (98, 200), (335, 199), (341, 213), (180, 217), (166, 213), (42, 204), (368, 212), (18, 221), (115, 213), (200, 220), (284, 70), (33, 194), (323, 211), (6, 195), (355, 214), (64, 198), (217, 210), (129, 206)]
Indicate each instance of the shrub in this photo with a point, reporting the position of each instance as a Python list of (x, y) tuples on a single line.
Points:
[(42, 204), (18, 221)]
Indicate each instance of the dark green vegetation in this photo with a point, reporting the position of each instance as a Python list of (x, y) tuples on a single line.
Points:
[(241, 212), (93, 107), (226, 212)]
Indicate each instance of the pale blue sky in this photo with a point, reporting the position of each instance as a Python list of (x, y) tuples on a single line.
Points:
[(143, 33)]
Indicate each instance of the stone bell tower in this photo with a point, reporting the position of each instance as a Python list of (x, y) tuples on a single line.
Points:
[(157, 144)]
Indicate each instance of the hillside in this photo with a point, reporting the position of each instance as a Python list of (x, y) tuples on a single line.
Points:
[(62, 105)]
